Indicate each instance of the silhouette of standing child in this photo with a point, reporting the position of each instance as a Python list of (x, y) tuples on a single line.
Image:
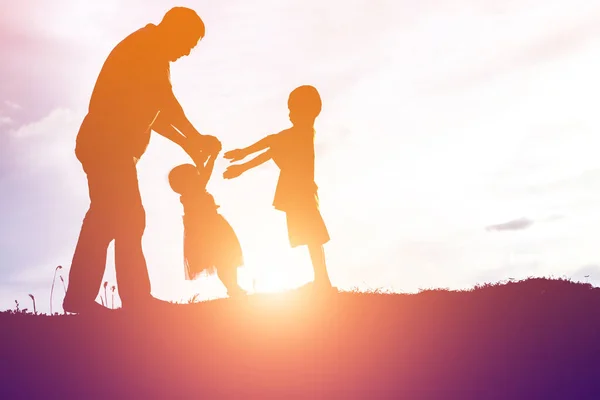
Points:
[(293, 151), (209, 243)]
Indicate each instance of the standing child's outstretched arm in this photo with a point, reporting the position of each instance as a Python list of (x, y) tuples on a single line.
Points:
[(233, 171), (240, 154)]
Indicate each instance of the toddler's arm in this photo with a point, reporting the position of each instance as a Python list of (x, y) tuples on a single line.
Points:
[(207, 170)]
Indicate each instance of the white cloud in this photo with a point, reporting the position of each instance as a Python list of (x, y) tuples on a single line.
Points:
[(59, 120), (12, 105), (49, 142)]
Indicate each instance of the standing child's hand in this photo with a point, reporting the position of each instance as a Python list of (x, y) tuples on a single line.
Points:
[(234, 155), (233, 171)]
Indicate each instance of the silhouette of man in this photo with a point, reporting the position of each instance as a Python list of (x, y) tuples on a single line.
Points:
[(132, 96)]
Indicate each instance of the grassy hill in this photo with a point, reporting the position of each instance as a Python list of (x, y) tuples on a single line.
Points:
[(534, 339)]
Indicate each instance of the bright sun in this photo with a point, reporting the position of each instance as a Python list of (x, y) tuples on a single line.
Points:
[(275, 271), (270, 266)]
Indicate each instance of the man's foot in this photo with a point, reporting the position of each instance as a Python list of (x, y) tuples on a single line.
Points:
[(145, 305), (85, 308)]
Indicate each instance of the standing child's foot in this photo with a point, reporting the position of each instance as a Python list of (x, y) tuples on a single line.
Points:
[(236, 292), (324, 287)]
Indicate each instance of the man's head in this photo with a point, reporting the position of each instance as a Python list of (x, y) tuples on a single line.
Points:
[(180, 30), (183, 178), (304, 104)]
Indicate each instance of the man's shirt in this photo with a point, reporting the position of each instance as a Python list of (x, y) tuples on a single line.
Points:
[(128, 95)]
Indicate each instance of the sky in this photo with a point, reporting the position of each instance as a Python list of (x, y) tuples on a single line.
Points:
[(458, 142)]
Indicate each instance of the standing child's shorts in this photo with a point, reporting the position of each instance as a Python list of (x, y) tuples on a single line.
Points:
[(210, 244), (305, 223)]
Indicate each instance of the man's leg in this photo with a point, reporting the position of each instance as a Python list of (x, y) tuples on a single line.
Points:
[(131, 269), (130, 264), (89, 259)]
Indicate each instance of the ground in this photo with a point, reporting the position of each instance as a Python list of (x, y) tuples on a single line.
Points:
[(534, 339)]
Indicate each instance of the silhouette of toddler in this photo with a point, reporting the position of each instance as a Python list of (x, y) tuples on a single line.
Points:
[(209, 243)]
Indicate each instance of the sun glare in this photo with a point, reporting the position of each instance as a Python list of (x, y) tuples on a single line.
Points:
[(270, 266), (274, 271)]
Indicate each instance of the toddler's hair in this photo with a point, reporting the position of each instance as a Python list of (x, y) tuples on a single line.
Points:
[(305, 99), (181, 176)]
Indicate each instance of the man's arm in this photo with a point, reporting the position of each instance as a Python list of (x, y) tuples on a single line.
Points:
[(163, 128), (173, 114), (234, 171)]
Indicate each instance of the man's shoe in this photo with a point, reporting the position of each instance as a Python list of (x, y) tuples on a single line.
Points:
[(85, 308)]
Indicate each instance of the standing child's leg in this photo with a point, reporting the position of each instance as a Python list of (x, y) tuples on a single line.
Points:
[(317, 256)]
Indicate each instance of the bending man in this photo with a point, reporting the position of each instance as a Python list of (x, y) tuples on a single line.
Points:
[(132, 97)]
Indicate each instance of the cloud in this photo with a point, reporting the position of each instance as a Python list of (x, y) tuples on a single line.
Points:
[(554, 217), (583, 181), (51, 124), (514, 225), (12, 105), (516, 270), (589, 273), (46, 143), (525, 45), (7, 109), (40, 182)]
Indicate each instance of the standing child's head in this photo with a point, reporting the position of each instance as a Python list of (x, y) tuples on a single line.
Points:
[(184, 178), (304, 104)]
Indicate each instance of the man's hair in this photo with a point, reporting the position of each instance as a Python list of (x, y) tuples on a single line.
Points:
[(184, 19), (305, 99)]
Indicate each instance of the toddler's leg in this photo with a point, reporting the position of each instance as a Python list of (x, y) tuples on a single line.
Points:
[(228, 275), (317, 256)]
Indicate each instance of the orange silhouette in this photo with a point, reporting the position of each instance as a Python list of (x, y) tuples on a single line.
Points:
[(293, 151), (132, 96), (209, 240)]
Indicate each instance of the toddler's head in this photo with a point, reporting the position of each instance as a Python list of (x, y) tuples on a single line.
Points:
[(184, 178), (304, 104)]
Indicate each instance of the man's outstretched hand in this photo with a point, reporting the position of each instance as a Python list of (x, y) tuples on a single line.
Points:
[(196, 153), (211, 144), (233, 171), (200, 148)]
